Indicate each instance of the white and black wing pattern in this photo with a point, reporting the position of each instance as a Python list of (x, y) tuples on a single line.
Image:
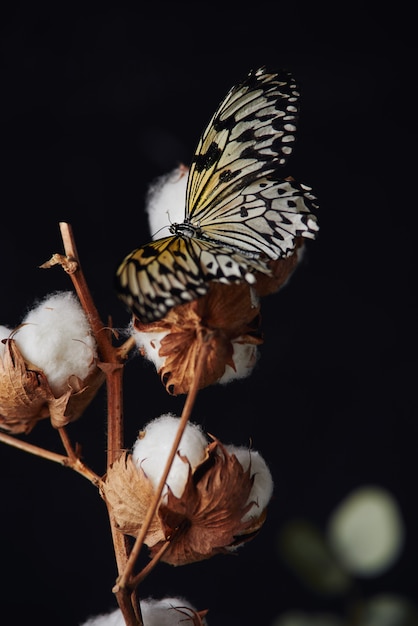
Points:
[(240, 212), (174, 270), (264, 218), (235, 195)]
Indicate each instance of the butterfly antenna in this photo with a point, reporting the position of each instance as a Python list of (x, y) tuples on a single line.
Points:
[(159, 230)]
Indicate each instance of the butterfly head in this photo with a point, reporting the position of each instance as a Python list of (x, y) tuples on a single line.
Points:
[(185, 229)]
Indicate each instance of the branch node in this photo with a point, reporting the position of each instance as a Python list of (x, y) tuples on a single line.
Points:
[(68, 263)]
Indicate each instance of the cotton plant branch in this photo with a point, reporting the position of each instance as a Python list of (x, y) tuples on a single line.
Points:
[(147, 569), (111, 357), (74, 462), (111, 363), (127, 580)]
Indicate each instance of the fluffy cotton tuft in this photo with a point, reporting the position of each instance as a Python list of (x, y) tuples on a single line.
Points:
[(166, 612), (152, 448), (56, 337), (149, 343), (166, 201), (245, 356), (262, 489)]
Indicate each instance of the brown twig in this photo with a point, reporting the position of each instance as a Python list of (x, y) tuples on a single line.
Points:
[(111, 356), (112, 365), (32, 449), (101, 333), (73, 463), (125, 348), (114, 374), (67, 443), (136, 580)]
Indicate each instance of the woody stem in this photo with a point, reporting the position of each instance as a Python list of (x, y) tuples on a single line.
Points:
[(112, 366), (126, 579)]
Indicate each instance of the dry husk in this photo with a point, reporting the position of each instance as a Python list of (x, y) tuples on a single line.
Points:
[(225, 314), (207, 518), (128, 491), (26, 398), (281, 270)]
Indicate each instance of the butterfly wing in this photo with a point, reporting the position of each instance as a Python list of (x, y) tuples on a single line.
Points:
[(175, 270), (239, 212), (264, 218), (234, 193)]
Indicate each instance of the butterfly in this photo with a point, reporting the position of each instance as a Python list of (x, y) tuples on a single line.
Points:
[(240, 212)]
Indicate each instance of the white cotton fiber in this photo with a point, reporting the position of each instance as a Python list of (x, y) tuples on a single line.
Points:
[(166, 201), (166, 612), (245, 357), (114, 618), (56, 337), (149, 343), (151, 451), (262, 488)]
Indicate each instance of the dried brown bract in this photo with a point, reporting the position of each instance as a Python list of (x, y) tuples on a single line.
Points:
[(281, 270), (226, 315), (129, 492), (207, 519), (26, 397), (227, 318)]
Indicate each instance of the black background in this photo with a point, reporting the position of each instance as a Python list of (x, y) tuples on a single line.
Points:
[(97, 102)]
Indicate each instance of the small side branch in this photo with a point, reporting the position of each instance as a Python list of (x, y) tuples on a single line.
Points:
[(32, 449), (74, 463)]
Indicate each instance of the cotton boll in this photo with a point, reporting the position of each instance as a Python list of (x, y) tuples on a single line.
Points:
[(208, 495), (56, 337), (152, 448), (166, 612), (263, 485), (244, 355), (166, 201)]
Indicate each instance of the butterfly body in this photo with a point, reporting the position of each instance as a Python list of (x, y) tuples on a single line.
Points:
[(186, 229), (240, 212)]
